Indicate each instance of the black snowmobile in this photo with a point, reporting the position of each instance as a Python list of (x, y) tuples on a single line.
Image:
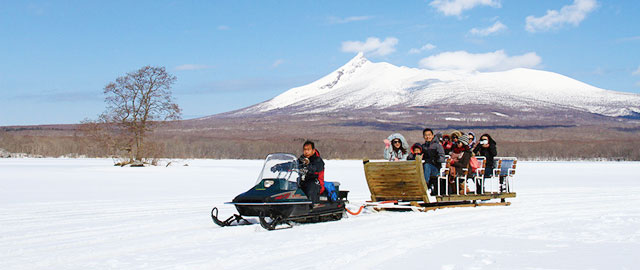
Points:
[(277, 198)]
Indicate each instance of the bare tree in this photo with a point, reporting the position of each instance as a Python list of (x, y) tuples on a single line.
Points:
[(137, 103)]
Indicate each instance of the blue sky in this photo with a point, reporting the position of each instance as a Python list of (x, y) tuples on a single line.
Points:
[(57, 56)]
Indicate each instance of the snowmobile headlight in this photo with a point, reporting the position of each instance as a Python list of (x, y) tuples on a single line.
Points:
[(268, 183)]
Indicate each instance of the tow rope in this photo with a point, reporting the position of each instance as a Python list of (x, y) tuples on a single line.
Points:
[(357, 212), (362, 207)]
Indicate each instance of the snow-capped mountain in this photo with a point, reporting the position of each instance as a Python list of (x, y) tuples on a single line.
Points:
[(364, 86)]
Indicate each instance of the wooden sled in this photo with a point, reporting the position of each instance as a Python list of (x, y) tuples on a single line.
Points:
[(400, 185)]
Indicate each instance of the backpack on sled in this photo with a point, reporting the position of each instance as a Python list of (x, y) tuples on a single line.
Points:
[(330, 189)]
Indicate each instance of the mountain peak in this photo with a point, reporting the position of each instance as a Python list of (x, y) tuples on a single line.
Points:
[(363, 85), (354, 64), (357, 60), (346, 71)]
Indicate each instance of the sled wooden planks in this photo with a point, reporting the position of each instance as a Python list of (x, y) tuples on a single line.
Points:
[(400, 180)]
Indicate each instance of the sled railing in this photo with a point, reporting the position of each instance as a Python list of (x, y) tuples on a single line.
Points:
[(397, 180)]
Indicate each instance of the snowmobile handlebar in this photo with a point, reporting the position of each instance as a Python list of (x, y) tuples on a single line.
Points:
[(304, 161)]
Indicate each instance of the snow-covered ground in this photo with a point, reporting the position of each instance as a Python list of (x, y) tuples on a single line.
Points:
[(87, 214)]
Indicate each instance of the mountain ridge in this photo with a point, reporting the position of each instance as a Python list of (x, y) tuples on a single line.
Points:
[(361, 87)]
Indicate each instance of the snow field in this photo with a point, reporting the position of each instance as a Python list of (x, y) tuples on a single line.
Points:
[(87, 214)]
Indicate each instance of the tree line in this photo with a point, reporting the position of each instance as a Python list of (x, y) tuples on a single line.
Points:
[(193, 146)]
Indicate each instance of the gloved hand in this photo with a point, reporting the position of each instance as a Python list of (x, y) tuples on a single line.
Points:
[(387, 143)]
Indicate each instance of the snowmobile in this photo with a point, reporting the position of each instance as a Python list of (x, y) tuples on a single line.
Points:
[(277, 199)]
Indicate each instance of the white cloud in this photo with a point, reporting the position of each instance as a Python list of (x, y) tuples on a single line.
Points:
[(277, 63), (38, 9), (570, 14), (637, 72), (372, 46), (492, 61), (599, 71), (223, 27), (337, 20), (456, 7), (426, 47), (496, 27), (192, 67), (629, 38)]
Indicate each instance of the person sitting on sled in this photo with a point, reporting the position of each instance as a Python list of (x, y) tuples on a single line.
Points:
[(460, 160), (313, 184), (416, 150), (447, 145), (433, 157), (396, 147)]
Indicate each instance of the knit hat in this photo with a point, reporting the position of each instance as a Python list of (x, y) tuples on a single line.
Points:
[(416, 145), (464, 139)]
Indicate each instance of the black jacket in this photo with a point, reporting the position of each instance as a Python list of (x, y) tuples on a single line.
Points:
[(433, 153), (315, 169), (463, 162), (489, 153)]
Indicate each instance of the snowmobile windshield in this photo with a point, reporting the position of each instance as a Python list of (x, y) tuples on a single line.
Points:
[(280, 166)]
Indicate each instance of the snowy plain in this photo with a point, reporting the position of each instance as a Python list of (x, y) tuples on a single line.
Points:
[(87, 214)]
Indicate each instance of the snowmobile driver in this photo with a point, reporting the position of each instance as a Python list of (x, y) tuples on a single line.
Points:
[(313, 184)]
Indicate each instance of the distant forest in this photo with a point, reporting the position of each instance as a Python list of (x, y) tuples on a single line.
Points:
[(537, 143)]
